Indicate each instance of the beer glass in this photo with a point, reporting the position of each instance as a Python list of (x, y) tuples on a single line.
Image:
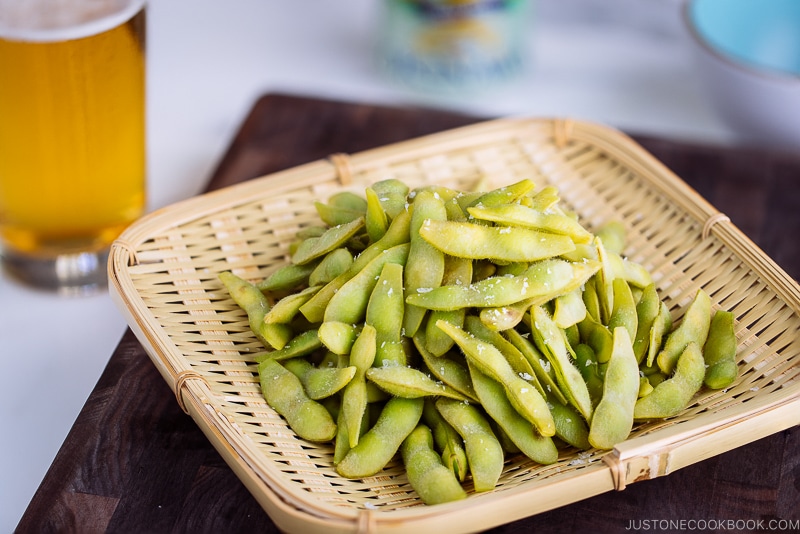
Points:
[(72, 136)]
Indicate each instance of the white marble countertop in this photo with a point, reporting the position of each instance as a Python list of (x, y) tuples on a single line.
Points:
[(624, 63)]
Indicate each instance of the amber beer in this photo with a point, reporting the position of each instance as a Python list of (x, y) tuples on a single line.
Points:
[(72, 134)]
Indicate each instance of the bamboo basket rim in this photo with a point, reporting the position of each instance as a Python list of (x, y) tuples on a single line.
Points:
[(651, 454)]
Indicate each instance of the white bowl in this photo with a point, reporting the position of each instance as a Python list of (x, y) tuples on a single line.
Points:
[(748, 57)]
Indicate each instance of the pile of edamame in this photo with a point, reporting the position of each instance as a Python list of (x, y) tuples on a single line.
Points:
[(456, 328)]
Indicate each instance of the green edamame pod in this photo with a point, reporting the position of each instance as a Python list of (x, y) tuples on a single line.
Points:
[(646, 311), (319, 382), (518, 362), (492, 396), (591, 300), (675, 393), (613, 418), (542, 278), (332, 265), (349, 303), (587, 364), (333, 238), (498, 243), (719, 351), (633, 273), (661, 327), (624, 311), (410, 383), (526, 399), (376, 448), (570, 425), (484, 453), (693, 328), (525, 217), (354, 396), (284, 392), (505, 194), (425, 265), (341, 208), (287, 277), (447, 440), (286, 308), (248, 297), (502, 318), (457, 271), (338, 337), (569, 309), (542, 369), (450, 372), (550, 340), (301, 345), (385, 312), (545, 198), (397, 234), (430, 478), (392, 195), (341, 445), (376, 219)]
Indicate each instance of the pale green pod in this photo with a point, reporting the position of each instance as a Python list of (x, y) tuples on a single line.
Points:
[(612, 421), (430, 478), (377, 446)]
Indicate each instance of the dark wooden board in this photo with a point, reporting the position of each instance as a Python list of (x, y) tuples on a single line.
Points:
[(134, 462)]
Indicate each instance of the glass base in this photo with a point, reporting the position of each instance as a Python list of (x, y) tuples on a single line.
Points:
[(74, 273)]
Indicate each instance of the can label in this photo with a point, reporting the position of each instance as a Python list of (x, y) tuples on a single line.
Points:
[(454, 44)]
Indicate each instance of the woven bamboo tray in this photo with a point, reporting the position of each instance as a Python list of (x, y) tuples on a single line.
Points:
[(163, 276)]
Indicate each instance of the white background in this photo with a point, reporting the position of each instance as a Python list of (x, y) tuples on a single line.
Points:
[(625, 63)]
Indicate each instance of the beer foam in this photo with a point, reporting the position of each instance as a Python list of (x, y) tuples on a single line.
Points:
[(60, 20)]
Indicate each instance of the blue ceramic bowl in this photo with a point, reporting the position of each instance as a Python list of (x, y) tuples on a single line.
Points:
[(748, 55)]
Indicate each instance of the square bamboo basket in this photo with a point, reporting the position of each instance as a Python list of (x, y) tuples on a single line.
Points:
[(163, 276)]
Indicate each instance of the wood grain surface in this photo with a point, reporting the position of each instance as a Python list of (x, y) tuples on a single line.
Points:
[(134, 462)]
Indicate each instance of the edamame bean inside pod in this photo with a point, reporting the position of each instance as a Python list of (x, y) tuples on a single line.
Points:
[(484, 308)]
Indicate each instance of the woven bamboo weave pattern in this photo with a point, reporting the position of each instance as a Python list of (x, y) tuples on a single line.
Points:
[(190, 325)]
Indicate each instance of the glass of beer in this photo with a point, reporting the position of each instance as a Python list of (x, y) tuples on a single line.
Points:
[(72, 136)]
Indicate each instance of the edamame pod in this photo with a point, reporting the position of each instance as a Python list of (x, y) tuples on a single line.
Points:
[(397, 234), (450, 372), (425, 265), (492, 396), (484, 452), (719, 351), (525, 217), (525, 398), (553, 345), (349, 303), (332, 265), (624, 311), (385, 312), (542, 278), (320, 382), (446, 439), (376, 219), (693, 328), (333, 238), (248, 297), (498, 243), (430, 478), (376, 448), (661, 327), (284, 392), (646, 311), (354, 396), (410, 383), (675, 393), (613, 418)]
